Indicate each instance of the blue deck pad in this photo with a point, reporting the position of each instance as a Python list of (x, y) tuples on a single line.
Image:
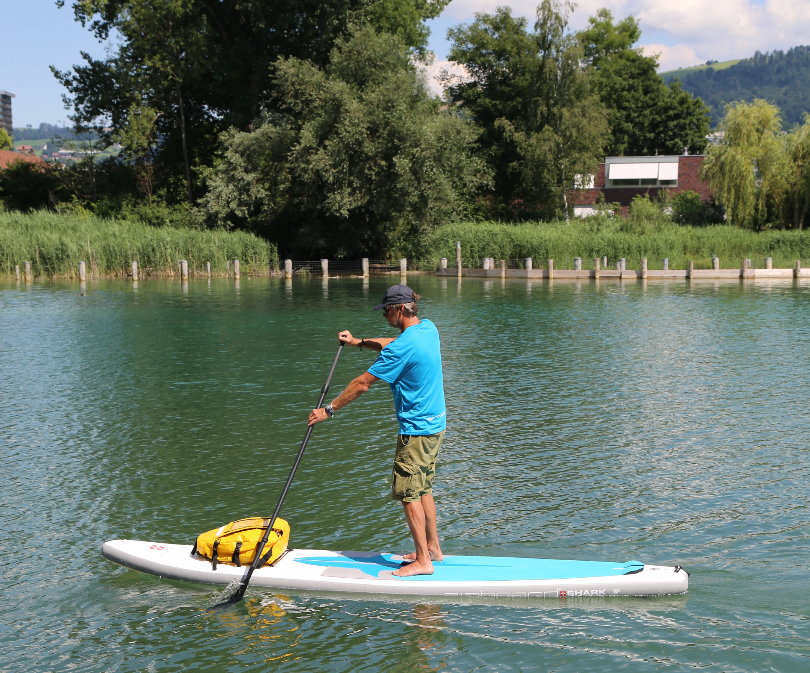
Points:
[(478, 568)]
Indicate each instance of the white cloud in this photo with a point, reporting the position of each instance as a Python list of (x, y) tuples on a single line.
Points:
[(717, 30), (432, 71), (674, 57)]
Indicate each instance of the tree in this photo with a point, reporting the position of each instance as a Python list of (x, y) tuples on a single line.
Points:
[(5, 140), (359, 159), (748, 165), (543, 124), (645, 115), (205, 65)]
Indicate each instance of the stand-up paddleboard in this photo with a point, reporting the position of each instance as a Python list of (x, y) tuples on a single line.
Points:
[(366, 572)]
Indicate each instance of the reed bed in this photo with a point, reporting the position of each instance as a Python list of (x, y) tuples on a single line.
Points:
[(54, 244), (562, 242)]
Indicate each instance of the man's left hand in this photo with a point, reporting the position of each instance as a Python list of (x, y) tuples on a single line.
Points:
[(317, 415)]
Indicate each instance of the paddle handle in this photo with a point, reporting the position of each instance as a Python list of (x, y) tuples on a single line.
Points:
[(246, 579)]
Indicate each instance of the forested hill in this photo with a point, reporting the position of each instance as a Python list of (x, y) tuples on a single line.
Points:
[(782, 78)]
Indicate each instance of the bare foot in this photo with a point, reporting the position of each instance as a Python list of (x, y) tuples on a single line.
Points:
[(414, 569), (434, 556)]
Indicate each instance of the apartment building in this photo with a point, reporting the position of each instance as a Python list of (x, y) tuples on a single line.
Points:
[(5, 111)]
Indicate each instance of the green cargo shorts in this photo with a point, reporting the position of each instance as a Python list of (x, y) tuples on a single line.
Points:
[(414, 466)]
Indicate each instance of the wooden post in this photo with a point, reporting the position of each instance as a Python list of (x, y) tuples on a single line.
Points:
[(550, 269), (624, 263), (443, 263), (666, 263), (503, 268), (577, 263), (17, 272), (82, 273), (288, 268), (208, 268), (528, 263), (604, 261), (403, 266), (325, 268), (716, 263), (458, 258), (691, 268), (183, 269), (236, 275), (27, 271), (596, 268), (643, 267), (796, 272), (134, 270), (363, 262), (769, 262), (619, 265), (228, 268)]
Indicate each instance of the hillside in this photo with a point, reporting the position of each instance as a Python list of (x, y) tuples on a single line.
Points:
[(780, 77), (682, 72)]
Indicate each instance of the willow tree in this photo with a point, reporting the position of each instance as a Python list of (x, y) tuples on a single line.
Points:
[(748, 166)]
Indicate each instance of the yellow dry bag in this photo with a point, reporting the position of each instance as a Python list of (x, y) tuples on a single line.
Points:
[(235, 543)]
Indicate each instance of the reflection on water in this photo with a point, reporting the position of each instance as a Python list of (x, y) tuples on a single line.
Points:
[(658, 421)]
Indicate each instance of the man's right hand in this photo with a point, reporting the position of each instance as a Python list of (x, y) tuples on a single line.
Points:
[(346, 337)]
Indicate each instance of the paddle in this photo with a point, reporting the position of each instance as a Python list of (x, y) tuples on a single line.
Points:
[(243, 584)]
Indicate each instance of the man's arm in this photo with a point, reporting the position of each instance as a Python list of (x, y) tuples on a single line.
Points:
[(356, 388), (376, 344)]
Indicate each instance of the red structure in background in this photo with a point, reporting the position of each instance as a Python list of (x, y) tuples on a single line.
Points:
[(8, 156), (688, 180)]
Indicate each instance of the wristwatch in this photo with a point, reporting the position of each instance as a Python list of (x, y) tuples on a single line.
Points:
[(329, 410)]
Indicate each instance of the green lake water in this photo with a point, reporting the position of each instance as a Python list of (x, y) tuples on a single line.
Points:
[(663, 422)]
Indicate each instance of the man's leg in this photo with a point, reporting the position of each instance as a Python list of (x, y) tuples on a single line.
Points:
[(431, 532), (415, 515)]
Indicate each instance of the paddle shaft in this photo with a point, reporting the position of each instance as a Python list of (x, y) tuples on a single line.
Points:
[(246, 579)]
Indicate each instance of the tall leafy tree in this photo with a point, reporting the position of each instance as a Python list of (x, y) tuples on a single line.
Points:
[(543, 123), (358, 159), (646, 116), (205, 65)]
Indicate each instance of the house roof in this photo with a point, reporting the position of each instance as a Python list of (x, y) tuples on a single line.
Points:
[(7, 157)]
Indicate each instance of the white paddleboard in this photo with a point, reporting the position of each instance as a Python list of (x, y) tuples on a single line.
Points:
[(369, 572)]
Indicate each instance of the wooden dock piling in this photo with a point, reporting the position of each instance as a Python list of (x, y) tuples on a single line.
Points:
[(769, 262), (550, 269), (691, 268), (716, 263), (528, 263), (644, 268), (666, 263), (403, 266), (325, 268), (577, 263), (183, 269), (364, 264), (27, 271), (17, 271), (796, 272), (134, 270), (208, 268), (82, 272), (236, 274), (458, 258), (288, 268), (596, 268), (503, 268)]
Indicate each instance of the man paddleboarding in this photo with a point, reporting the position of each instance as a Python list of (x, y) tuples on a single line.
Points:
[(412, 365)]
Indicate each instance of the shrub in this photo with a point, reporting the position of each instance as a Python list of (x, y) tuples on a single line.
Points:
[(687, 208)]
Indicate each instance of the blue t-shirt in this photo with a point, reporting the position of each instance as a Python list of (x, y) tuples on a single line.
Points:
[(412, 366)]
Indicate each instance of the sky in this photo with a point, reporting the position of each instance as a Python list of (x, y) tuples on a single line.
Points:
[(683, 32)]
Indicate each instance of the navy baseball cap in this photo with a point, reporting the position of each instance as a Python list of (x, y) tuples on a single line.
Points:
[(396, 294)]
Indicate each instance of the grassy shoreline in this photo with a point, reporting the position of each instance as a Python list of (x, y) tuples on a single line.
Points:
[(563, 242), (54, 244)]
